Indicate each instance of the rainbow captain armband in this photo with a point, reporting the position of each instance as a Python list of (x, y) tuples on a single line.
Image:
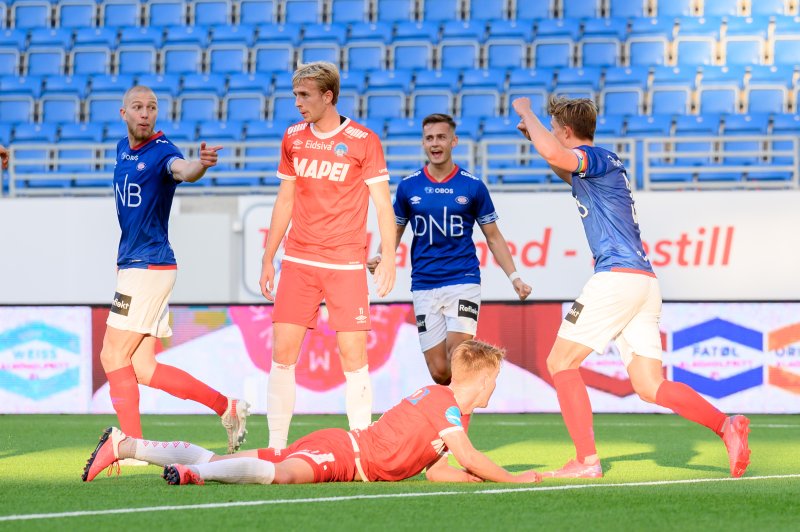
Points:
[(582, 162)]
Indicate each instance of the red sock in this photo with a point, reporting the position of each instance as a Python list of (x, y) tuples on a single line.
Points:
[(124, 391), (576, 410), (177, 382), (688, 404)]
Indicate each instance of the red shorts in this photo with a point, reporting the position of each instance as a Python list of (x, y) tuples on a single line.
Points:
[(302, 288), (329, 452)]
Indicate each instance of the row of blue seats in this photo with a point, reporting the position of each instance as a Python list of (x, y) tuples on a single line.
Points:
[(89, 13), (474, 128)]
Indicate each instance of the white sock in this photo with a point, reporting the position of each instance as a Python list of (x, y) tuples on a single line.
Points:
[(237, 471), (281, 394), (358, 398), (172, 452)]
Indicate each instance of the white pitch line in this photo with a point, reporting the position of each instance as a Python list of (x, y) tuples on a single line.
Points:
[(211, 506)]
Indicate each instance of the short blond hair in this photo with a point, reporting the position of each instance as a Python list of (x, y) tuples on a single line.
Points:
[(473, 356), (578, 113), (133, 90), (325, 74)]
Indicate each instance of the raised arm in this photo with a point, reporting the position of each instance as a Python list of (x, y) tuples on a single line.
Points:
[(281, 216), (191, 171), (479, 464), (546, 144), (499, 248)]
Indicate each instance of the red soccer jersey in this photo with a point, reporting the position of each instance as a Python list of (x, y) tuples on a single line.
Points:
[(332, 171), (408, 437)]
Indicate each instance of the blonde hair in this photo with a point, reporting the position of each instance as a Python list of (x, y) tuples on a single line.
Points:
[(325, 74), (578, 113), (133, 90), (473, 356)]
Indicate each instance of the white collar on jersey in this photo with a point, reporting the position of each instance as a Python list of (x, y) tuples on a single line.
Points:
[(329, 134)]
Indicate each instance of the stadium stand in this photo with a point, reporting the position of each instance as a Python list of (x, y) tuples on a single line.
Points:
[(655, 68)]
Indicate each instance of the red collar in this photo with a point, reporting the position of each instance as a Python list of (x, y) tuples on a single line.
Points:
[(143, 144), (446, 179)]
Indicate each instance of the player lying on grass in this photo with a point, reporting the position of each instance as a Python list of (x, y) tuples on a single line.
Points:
[(413, 436)]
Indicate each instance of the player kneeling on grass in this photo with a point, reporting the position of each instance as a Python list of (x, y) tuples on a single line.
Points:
[(413, 436)]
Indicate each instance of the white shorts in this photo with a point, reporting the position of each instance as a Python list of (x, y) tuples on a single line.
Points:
[(451, 308), (140, 304), (625, 307)]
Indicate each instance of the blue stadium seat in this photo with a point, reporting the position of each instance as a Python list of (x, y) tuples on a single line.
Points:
[(198, 106), (447, 79), (695, 152), (395, 10), (320, 51), (114, 131), (559, 27), (555, 52), (90, 60), (411, 54), (73, 85), (227, 58), (784, 125), (768, 7), (484, 78), (538, 77), (628, 8), (9, 62), (671, 92), (349, 11), (244, 106), (244, 82), (609, 125), (543, 9), (537, 95), (267, 130), (718, 98), (270, 57), (511, 29), (398, 79), (624, 90), (16, 108), (676, 8), (488, 10), (464, 29), (144, 36), (581, 8), (66, 162), (166, 13), (136, 59), (211, 12), (57, 108), (103, 107), (220, 131), (283, 81), (371, 31), (76, 13), (599, 51), (366, 55), (181, 59), (385, 103), (204, 83), (22, 85), (745, 41), (46, 132), (239, 34), (160, 83), (349, 104), (441, 10), (585, 80), (31, 14), (786, 49), (15, 39), (458, 53), (282, 106), (406, 128), (86, 132), (186, 35), (506, 53), (106, 37), (649, 126), (115, 84), (768, 88), (50, 37), (45, 61), (649, 41), (257, 11), (302, 11), (181, 130), (417, 31), (120, 13), (478, 102), (721, 8), (696, 42), (355, 80)]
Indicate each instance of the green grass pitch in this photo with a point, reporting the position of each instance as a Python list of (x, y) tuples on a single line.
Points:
[(661, 473)]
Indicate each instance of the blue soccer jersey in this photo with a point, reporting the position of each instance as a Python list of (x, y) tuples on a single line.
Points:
[(602, 191), (143, 191), (442, 216)]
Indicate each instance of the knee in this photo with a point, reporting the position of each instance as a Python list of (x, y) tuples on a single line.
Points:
[(646, 390), (557, 362), (111, 356)]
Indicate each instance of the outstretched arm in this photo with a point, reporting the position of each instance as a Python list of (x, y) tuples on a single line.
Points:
[(191, 171), (441, 471), (546, 144), (479, 464), (499, 248)]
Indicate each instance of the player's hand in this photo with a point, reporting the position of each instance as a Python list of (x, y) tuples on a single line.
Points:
[(528, 477), (522, 289), (524, 130), (373, 263), (208, 156), (384, 275), (522, 105), (4, 156), (267, 281)]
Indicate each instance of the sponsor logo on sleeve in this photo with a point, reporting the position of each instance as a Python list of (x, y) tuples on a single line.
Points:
[(121, 304), (421, 327), (355, 132), (296, 128), (467, 309), (453, 415), (415, 397), (574, 313)]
